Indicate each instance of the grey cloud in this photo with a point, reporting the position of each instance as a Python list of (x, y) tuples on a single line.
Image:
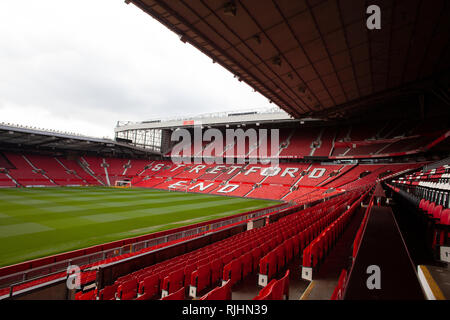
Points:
[(103, 57)]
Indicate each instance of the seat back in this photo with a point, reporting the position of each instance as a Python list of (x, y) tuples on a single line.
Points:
[(285, 281), (149, 287), (108, 292), (177, 295), (219, 293), (437, 211), (445, 217), (266, 292), (127, 290), (233, 271), (425, 205), (247, 264)]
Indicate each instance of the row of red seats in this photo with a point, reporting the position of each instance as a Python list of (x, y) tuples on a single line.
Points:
[(330, 141), (342, 281), (219, 293), (86, 276), (201, 268), (361, 229), (300, 231), (321, 245), (33, 170)]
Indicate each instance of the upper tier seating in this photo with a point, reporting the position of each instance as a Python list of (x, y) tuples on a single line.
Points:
[(298, 182), (25, 173), (326, 143), (301, 142)]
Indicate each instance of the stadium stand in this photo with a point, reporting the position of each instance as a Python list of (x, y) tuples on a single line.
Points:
[(25, 173), (52, 169), (232, 259)]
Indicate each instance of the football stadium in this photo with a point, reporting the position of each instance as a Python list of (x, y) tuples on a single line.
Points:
[(340, 191)]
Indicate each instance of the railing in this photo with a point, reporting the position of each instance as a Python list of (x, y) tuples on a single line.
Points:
[(61, 266)]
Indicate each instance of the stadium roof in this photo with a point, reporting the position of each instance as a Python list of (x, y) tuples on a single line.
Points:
[(318, 58), (12, 137), (250, 116)]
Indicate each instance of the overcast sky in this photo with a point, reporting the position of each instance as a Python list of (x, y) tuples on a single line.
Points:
[(80, 66)]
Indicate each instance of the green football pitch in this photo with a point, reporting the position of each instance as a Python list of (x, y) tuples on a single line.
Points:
[(38, 222)]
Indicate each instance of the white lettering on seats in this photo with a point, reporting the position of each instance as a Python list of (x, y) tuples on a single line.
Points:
[(178, 166), (252, 169), (270, 171), (317, 173), (201, 186), (197, 168), (228, 188), (289, 171), (158, 167)]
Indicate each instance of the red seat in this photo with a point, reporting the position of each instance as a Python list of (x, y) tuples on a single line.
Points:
[(149, 287), (296, 244), (307, 257), (247, 264), (89, 295), (108, 292), (285, 280), (233, 271), (445, 217), (437, 213), (338, 291), (265, 248), (421, 203), (430, 209), (188, 269), (177, 295), (266, 292), (219, 293), (281, 256), (200, 278), (425, 205), (216, 270), (443, 229), (275, 290), (227, 258), (127, 290), (268, 265), (289, 249), (281, 288), (256, 256), (174, 281)]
